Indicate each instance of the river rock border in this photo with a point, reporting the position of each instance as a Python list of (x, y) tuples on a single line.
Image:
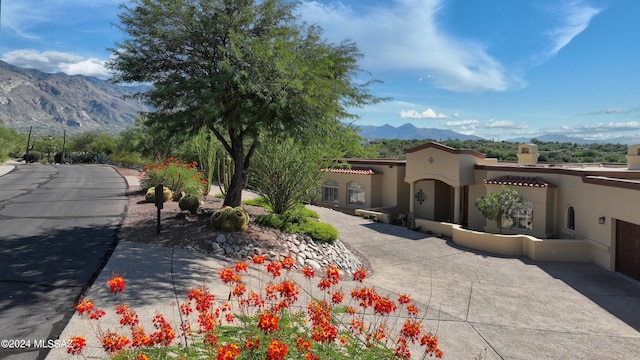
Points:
[(304, 249)]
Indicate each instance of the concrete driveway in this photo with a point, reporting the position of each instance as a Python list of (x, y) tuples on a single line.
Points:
[(500, 307)]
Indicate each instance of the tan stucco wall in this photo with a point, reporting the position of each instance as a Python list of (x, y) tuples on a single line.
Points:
[(515, 245), (433, 163), (590, 202), (384, 190)]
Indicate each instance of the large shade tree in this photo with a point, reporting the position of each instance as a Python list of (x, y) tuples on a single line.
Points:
[(242, 68)]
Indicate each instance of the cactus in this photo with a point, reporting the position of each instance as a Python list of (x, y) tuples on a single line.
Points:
[(226, 170), (150, 196), (189, 202), (230, 219)]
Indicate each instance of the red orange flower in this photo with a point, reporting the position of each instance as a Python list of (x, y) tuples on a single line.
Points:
[(241, 266), (253, 344), (268, 322), (274, 268), (76, 345), (116, 284), (359, 275), (337, 297), (96, 314), (431, 343), (277, 350), (288, 262), (333, 274), (404, 299), (227, 276), (257, 259), (411, 330), (113, 342), (228, 352), (308, 272), (84, 306)]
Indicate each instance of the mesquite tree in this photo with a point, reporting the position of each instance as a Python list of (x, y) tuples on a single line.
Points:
[(242, 68), (498, 206)]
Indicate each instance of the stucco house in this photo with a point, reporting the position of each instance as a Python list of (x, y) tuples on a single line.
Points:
[(570, 212)]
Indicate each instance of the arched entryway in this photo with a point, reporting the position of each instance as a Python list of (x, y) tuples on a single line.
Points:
[(436, 200)]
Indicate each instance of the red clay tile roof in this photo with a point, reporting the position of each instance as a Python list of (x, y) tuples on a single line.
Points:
[(356, 171), (520, 181)]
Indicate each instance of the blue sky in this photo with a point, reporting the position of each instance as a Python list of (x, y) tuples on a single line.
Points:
[(498, 69)]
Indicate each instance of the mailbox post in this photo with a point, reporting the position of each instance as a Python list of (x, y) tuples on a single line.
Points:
[(159, 203)]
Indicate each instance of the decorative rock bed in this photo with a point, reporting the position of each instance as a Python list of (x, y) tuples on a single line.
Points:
[(303, 248)]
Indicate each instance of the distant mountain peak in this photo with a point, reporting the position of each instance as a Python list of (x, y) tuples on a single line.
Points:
[(409, 131), (56, 102)]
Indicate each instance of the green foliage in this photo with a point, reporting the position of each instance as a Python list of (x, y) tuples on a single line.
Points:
[(93, 142), (499, 206), (33, 156), (175, 174), (507, 151), (88, 158), (258, 201), (226, 171), (189, 202), (286, 172), (206, 147), (300, 220), (276, 75), (11, 143), (230, 218)]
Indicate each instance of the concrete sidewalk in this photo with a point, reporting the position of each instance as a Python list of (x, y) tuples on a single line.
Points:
[(477, 304)]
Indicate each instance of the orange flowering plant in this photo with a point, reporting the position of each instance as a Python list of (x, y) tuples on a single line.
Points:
[(176, 175), (270, 323)]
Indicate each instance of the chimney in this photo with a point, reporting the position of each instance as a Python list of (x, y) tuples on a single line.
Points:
[(633, 157), (528, 154)]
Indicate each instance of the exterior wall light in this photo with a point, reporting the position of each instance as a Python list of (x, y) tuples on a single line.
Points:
[(601, 220)]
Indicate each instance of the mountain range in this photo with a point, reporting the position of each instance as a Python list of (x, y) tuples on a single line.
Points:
[(410, 132), (55, 102), (51, 103)]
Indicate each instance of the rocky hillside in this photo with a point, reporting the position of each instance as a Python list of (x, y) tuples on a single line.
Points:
[(55, 102)]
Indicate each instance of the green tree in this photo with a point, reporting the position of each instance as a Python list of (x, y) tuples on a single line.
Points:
[(500, 205), (242, 68), (11, 143)]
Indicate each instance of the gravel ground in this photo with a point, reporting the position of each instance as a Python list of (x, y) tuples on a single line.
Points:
[(184, 229)]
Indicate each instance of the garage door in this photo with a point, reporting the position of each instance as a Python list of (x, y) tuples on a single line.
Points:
[(628, 248)]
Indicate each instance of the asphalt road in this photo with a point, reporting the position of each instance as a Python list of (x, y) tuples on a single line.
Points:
[(57, 230)]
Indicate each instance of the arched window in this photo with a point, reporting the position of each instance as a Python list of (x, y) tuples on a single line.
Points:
[(523, 218), (330, 192), (571, 218), (355, 194)]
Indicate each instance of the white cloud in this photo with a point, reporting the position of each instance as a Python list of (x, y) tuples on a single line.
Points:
[(404, 35), (506, 124), (54, 62), (427, 114), (463, 124), (599, 130), (21, 17), (575, 18)]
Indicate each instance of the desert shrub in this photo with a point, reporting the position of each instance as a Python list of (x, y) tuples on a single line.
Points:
[(300, 220), (258, 201), (88, 158), (319, 231), (363, 325), (174, 174), (133, 160), (33, 156)]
